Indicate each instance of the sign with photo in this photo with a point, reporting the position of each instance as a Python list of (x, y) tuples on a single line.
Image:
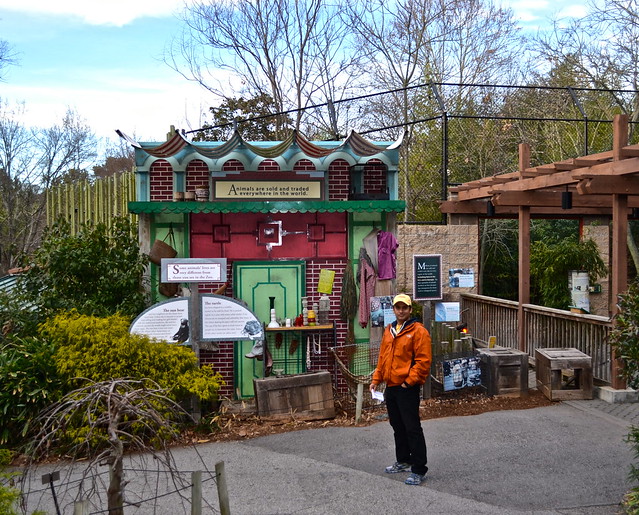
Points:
[(461, 372), (461, 278), (382, 311), (166, 321), (447, 312)]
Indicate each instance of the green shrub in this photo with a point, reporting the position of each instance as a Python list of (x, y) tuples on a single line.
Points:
[(28, 383), (101, 349), (98, 271), (624, 337), (550, 265)]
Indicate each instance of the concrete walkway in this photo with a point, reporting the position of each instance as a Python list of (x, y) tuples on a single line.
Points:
[(568, 458)]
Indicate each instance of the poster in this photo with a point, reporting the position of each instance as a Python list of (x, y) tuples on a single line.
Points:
[(382, 311), (461, 373), (461, 278), (427, 277), (447, 312)]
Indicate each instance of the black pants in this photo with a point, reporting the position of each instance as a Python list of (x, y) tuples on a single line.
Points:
[(402, 405)]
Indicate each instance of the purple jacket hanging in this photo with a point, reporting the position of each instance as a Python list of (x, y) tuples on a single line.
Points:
[(386, 247)]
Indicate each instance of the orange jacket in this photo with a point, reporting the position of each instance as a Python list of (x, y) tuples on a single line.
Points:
[(405, 357)]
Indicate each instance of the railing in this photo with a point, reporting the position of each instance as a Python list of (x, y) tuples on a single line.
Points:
[(545, 327)]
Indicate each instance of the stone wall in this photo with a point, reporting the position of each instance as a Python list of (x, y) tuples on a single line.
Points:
[(457, 244), (600, 233), (459, 248)]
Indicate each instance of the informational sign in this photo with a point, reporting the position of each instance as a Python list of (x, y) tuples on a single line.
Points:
[(461, 278), (166, 321), (447, 312), (221, 319), (427, 276), (194, 270), (225, 319), (245, 190), (325, 283)]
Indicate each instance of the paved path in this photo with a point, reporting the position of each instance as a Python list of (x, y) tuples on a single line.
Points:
[(568, 458)]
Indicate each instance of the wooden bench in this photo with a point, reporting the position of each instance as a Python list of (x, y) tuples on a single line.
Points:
[(564, 373)]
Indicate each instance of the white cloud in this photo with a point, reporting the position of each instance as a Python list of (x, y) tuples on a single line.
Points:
[(97, 12)]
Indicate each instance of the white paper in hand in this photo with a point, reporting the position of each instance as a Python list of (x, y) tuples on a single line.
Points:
[(377, 395)]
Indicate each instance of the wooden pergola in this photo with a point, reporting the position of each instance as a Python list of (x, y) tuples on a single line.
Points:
[(604, 184)]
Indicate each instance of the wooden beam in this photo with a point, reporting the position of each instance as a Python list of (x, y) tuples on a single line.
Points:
[(622, 185), (549, 199), (624, 167)]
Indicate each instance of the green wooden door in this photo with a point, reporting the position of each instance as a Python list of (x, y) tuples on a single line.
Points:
[(254, 282)]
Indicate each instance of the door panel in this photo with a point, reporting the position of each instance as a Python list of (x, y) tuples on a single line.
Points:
[(254, 282)]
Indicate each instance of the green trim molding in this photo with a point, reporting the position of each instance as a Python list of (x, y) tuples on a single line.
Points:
[(300, 206)]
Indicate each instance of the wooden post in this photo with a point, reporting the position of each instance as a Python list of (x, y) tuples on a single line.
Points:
[(81, 507), (524, 254), (222, 491), (196, 492), (359, 401), (194, 338), (619, 266)]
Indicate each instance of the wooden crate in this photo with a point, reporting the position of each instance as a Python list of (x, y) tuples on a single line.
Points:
[(305, 396), (504, 371), (564, 373)]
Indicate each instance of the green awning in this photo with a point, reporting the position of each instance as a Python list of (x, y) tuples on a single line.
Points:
[(277, 206)]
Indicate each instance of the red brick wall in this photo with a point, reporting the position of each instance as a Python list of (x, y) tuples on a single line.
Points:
[(375, 178), (339, 180), (268, 165), (233, 165), (161, 181), (304, 165), (197, 175)]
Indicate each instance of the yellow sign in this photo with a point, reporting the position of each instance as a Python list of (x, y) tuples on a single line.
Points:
[(242, 190), (325, 283)]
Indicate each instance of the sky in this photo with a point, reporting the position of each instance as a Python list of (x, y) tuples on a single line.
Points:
[(103, 59)]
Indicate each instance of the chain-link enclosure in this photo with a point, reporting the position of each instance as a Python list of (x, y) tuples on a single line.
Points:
[(474, 131)]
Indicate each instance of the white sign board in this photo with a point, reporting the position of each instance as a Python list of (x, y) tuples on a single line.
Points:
[(194, 270), (221, 318), (447, 312), (224, 318), (164, 321)]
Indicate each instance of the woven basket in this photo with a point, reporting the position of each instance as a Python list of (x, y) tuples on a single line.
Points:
[(159, 250), (168, 289)]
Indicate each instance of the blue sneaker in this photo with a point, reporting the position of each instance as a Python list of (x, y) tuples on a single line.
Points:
[(414, 479), (397, 467)]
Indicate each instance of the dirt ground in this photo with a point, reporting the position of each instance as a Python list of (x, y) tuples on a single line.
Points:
[(238, 421)]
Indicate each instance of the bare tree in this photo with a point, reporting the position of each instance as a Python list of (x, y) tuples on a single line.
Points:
[(7, 58), (602, 46), (31, 159), (290, 50), (101, 421)]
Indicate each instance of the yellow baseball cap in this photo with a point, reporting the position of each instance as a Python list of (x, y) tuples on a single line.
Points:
[(402, 297)]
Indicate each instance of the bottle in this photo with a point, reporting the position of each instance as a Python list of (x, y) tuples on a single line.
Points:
[(311, 317), (304, 310), (273, 322)]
